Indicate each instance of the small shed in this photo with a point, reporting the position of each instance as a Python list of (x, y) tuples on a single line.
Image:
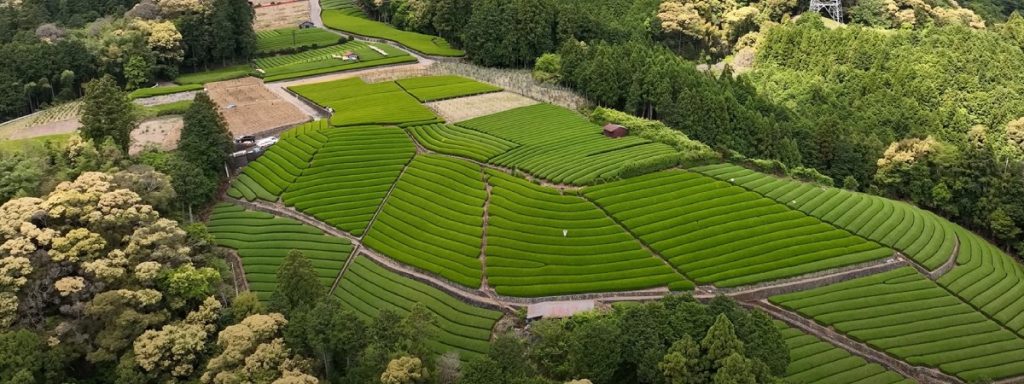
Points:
[(615, 130), (306, 24), (557, 309), (350, 56)]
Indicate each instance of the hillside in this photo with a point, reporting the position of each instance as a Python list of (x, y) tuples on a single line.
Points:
[(534, 204)]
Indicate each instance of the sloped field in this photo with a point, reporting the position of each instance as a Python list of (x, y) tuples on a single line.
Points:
[(368, 288), (715, 232), (988, 279), (433, 220), (275, 40), (813, 361), (433, 88), (542, 243), (349, 176), (919, 234), (279, 167), (358, 103), (460, 141), (910, 317), (263, 240), (559, 145)]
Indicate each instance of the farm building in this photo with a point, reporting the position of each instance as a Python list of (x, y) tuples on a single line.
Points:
[(615, 130), (306, 24), (557, 309)]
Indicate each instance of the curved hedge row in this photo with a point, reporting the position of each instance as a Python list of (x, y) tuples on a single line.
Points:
[(433, 219), (460, 141), (528, 254), (349, 176), (988, 279), (715, 232), (813, 361), (557, 144), (356, 102), (367, 288), (263, 240), (273, 172), (919, 234), (910, 317), (432, 88)]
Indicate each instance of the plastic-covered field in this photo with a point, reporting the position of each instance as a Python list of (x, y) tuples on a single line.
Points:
[(274, 171), (559, 145), (719, 233), (910, 317), (813, 361), (433, 219), (349, 176), (367, 288), (460, 141), (543, 243), (988, 279), (919, 234), (432, 88), (263, 240), (356, 102)]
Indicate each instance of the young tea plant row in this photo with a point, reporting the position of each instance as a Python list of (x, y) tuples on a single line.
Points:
[(543, 243), (919, 234), (814, 361), (557, 144), (349, 176), (368, 288), (715, 232), (263, 240), (433, 219), (910, 317), (274, 171)]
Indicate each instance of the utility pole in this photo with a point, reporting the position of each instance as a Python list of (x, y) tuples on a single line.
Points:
[(834, 8)]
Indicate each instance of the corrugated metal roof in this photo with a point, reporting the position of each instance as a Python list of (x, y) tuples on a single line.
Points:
[(558, 309)]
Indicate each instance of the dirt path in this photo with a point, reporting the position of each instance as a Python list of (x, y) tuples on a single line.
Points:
[(924, 375), (165, 99)]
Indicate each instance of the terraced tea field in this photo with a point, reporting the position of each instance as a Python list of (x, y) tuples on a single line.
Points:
[(715, 232), (345, 16), (358, 103), (543, 243), (263, 240), (281, 165), (368, 288), (483, 209), (276, 40), (920, 234), (350, 175), (327, 59), (433, 88), (460, 141), (910, 317), (433, 220), (813, 361), (561, 146)]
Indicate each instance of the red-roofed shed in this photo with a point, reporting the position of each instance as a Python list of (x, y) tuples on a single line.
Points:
[(615, 130)]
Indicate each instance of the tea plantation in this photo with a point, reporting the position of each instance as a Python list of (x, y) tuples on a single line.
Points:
[(535, 203)]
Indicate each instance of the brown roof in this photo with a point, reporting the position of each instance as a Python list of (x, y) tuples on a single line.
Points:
[(612, 127)]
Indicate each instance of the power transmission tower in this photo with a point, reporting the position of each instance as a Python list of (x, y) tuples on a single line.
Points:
[(834, 8)]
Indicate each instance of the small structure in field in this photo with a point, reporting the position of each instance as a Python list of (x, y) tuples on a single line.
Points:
[(350, 56), (557, 309), (306, 24), (615, 130)]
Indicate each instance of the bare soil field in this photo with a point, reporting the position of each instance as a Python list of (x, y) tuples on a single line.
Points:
[(280, 15), (250, 108), (162, 133), (465, 108), (55, 120)]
